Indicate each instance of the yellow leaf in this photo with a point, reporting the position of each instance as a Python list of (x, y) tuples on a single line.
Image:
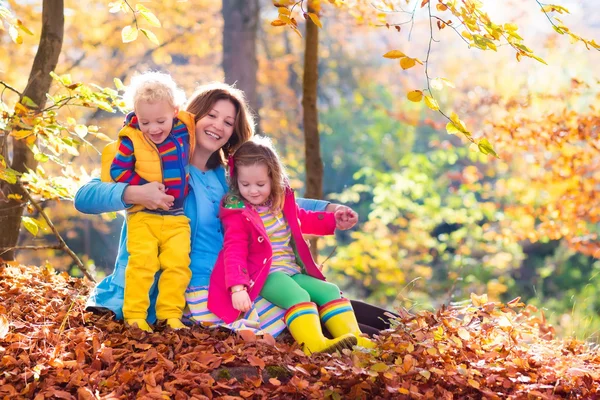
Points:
[(438, 334), (285, 19), (23, 27), (14, 35), (103, 137), (278, 22), (379, 367), (21, 134), (407, 62), (31, 225), (148, 15), (426, 374), (119, 84), (129, 34), (394, 54), (403, 391), (315, 19), (479, 300), (284, 11), (415, 95), (4, 325), (473, 383), (464, 334), (432, 103), (467, 35), (432, 351), (150, 35), (486, 148)]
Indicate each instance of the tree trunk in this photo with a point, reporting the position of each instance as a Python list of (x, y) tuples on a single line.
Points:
[(240, 18), (310, 117), (38, 84)]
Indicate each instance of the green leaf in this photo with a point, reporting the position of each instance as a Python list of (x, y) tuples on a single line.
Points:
[(6, 173), (148, 15), (28, 102), (31, 225), (150, 35), (41, 157), (129, 34)]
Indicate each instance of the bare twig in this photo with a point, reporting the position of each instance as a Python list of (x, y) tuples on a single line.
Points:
[(7, 86), (64, 246), (134, 16), (43, 247)]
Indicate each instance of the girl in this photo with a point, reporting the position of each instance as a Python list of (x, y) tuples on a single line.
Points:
[(264, 254)]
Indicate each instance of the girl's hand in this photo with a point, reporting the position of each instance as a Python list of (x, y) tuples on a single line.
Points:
[(345, 218), (241, 300), (151, 195)]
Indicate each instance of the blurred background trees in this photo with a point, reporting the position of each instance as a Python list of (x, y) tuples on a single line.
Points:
[(439, 220)]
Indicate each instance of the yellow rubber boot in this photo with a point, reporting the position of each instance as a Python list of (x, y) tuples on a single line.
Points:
[(140, 323), (303, 322), (339, 319), (175, 323)]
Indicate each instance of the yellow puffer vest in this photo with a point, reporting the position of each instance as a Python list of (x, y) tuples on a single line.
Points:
[(147, 159)]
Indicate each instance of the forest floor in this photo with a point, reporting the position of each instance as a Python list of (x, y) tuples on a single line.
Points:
[(51, 348)]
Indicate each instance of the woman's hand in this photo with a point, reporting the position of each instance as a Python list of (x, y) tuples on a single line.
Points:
[(345, 217), (240, 299), (151, 195)]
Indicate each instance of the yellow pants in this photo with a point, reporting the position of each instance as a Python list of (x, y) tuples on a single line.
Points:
[(157, 242)]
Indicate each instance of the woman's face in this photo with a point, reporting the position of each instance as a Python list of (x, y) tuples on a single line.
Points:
[(215, 128)]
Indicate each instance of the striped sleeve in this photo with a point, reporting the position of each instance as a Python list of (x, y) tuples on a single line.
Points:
[(122, 168)]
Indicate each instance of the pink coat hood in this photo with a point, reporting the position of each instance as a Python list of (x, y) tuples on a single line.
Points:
[(247, 252)]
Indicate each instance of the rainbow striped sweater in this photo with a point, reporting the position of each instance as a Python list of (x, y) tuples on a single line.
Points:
[(173, 153)]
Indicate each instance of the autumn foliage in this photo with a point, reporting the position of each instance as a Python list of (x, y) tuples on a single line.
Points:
[(52, 348)]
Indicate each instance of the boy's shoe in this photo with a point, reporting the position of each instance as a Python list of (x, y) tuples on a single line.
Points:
[(175, 323), (140, 323)]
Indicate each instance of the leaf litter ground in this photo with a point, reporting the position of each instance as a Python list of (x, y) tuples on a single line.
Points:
[(51, 348)]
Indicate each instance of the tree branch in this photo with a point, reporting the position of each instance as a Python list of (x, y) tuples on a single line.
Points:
[(63, 244)]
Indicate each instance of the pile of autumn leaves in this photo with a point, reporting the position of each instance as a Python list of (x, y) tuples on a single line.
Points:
[(51, 348)]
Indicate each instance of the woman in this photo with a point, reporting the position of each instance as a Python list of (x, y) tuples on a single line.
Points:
[(223, 122)]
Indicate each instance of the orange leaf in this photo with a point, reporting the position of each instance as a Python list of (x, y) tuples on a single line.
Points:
[(278, 22), (256, 362), (247, 335)]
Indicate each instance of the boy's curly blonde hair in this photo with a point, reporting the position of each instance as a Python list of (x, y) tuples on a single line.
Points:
[(152, 87)]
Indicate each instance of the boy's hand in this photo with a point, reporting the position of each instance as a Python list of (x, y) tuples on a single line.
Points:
[(241, 301), (151, 195), (345, 218)]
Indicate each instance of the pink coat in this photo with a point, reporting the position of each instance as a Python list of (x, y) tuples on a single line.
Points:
[(247, 252)]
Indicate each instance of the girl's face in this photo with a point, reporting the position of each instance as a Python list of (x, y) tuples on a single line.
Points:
[(254, 183), (215, 128)]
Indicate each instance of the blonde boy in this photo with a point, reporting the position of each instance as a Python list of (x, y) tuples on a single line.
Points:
[(154, 145)]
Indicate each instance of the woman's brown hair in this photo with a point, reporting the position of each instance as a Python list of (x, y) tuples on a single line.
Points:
[(203, 100), (259, 150)]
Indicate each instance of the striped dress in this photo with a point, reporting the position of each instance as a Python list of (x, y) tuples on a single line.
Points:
[(284, 259)]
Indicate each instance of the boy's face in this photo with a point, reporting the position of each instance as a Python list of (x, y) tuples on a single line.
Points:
[(155, 119)]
